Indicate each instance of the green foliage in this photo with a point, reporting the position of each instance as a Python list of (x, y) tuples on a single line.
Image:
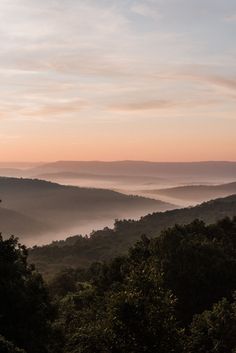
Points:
[(141, 317), (24, 304), (198, 263), (165, 295), (133, 314), (214, 331), (8, 347), (145, 301)]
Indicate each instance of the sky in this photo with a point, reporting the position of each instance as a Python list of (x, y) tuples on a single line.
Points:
[(114, 80)]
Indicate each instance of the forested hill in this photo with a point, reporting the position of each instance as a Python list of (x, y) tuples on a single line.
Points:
[(108, 243), (55, 208), (19, 223)]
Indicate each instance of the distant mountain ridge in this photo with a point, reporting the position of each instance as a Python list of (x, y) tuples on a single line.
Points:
[(197, 192), (73, 175), (161, 169), (126, 176), (223, 169)]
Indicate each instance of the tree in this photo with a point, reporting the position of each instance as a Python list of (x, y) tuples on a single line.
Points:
[(8, 347), (127, 311), (25, 309), (141, 317), (214, 331), (198, 264)]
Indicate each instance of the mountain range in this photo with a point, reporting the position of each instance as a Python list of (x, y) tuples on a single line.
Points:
[(171, 170), (37, 210)]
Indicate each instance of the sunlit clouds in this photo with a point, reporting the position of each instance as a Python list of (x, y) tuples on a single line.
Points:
[(104, 79)]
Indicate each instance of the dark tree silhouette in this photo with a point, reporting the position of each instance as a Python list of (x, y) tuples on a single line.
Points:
[(24, 304)]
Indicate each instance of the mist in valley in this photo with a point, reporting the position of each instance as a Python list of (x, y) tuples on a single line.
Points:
[(47, 202)]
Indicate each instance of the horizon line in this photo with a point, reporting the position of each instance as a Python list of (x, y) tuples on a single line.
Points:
[(113, 161)]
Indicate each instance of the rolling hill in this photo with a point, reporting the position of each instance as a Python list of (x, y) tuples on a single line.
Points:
[(12, 172), (131, 177), (138, 177), (197, 193), (12, 222), (68, 209), (108, 243), (80, 176)]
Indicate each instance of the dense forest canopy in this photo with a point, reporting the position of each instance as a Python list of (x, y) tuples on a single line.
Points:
[(25, 309), (171, 293)]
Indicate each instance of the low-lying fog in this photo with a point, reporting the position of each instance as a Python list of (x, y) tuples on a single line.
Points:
[(83, 228), (193, 186), (143, 186)]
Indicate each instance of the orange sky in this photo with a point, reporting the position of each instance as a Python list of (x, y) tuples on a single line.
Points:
[(108, 80)]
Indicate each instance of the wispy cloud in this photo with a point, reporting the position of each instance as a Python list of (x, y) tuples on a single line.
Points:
[(97, 65), (69, 107), (142, 105), (220, 81), (230, 18), (146, 9), (173, 106)]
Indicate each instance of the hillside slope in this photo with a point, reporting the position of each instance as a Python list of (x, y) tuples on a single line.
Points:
[(12, 222), (197, 193), (108, 243), (66, 208)]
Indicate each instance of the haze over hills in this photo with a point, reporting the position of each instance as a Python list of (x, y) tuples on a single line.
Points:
[(134, 177), (56, 211), (130, 177), (108, 243), (117, 119), (81, 176), (17, 169), (20, 165), (13, 222), (12, 172), (64, 210), (170, 170), (129, 184), (196, 193), (140, 177)]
